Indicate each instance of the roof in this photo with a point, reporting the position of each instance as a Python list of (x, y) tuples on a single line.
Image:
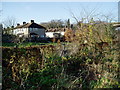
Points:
[(30, 25), (116, 25), (56, 30)]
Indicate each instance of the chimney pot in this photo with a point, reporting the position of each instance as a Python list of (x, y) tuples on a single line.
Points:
[(12, 26), (18, 24), (32, 21), (24, 22)]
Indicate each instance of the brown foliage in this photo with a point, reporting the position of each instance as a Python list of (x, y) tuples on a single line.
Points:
[(69, 35)]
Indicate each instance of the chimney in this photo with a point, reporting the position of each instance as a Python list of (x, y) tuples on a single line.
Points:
[(24, 22), (71, 25), (12, 26), (18, 24), (32, 21), (7, 27)]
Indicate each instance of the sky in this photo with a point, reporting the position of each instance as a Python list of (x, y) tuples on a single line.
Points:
[(47, 11)]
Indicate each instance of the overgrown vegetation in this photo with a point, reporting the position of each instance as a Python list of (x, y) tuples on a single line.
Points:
[(90, 59), (47, 68)]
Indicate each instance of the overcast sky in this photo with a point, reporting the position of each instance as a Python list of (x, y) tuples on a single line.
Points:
[(46, 11)]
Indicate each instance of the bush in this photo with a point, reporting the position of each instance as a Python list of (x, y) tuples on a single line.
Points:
[(6, 38)]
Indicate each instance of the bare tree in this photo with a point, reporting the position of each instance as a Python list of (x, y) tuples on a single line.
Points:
[(9, 22), (54, 24), (93, 26)]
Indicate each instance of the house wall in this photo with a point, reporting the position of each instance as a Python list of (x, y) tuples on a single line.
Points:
[(26, 31), (61, 32), (11, 32), (20, 31), (50, 34), (118, 28), (39, 31)]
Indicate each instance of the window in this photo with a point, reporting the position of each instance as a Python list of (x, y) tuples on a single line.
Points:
[(31, 29), (42, 36), (36, 29)]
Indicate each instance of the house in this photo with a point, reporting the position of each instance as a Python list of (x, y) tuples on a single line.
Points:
[(117, 28), (55, 32), (29, 30)]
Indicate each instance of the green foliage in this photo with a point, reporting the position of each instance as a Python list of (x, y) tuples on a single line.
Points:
[(45, 78), (8, 44), (25, 44)]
